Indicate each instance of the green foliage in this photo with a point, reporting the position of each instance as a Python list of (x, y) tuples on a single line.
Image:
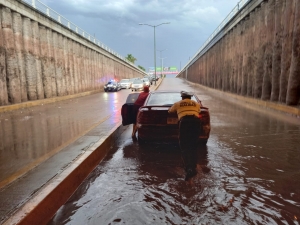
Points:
[(142, 68), (130, 58)]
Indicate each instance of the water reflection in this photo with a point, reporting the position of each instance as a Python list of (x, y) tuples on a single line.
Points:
[(248, 174), (145, 185), (29, 136), (135, 185)]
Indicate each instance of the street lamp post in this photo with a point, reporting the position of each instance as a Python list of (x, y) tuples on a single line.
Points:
[(161, 58), (154, 26), (162, 64)]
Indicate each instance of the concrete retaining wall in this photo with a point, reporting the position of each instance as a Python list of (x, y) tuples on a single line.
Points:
[(259, 57), (39, 58)]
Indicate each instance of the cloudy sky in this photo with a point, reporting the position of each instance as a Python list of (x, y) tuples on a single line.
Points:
[(116, 24)]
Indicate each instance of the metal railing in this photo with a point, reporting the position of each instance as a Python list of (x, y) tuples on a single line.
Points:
[(233, 12), (41, 7)]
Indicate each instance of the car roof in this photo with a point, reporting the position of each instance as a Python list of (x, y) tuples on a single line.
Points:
[(138, 80), (175, 92)]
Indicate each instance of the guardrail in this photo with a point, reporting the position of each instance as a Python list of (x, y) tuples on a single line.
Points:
[(233, 12), (44, 9)]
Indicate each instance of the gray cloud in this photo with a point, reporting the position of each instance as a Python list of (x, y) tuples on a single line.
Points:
[(115, 23)]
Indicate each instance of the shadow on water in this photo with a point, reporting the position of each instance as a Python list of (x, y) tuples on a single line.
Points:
[(135, 184), (164, 160)]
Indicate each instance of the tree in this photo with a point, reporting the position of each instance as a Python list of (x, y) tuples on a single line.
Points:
[(142, 68), (130, 58)]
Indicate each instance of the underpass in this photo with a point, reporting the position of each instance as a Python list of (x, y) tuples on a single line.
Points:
[(251, 151), (65, 131)]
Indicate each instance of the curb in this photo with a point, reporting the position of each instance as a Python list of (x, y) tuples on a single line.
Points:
[(294, 111), (28, 104), (41, 208)]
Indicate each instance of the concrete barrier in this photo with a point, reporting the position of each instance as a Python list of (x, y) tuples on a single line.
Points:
[(293, 111), (256, 55), (40, 58)]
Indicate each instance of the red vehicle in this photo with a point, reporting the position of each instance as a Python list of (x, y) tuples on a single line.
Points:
[(156, 124)]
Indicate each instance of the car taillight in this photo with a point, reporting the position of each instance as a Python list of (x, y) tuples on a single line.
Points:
[(204, 116)]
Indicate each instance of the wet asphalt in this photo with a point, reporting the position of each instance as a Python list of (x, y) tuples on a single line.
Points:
[(38, 143), (249, 173)]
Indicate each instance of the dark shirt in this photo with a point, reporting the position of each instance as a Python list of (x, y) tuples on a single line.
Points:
[(141, 99)]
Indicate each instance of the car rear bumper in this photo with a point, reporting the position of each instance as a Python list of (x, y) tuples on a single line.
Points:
[(165, 132)]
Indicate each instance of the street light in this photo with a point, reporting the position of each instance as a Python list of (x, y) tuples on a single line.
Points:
[(162, 63), (161, 58), (154, 44)]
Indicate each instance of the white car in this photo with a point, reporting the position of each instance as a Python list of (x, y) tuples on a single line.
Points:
[(137, 85), (146, 82), (125, 83)]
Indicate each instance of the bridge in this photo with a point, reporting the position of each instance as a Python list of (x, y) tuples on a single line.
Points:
[(252, 56)]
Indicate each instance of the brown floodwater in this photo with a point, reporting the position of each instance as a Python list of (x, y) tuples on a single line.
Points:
[(249, 173)]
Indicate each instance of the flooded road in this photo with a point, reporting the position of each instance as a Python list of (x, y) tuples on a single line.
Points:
[(29, 136), (249, 173)]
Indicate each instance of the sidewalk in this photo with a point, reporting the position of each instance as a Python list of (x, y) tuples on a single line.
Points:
[(35, 197)]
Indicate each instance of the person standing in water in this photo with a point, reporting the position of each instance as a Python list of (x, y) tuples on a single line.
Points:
[(189, 129), (137, 104)]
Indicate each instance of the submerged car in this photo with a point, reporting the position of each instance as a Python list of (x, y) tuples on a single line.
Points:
[(112, 85), (154, 78), (125, 83), (137, 85), (156, 124)]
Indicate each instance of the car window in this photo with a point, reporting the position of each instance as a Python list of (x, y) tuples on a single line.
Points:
[(137, 81), (112, 82), (124, 81), (131, 98), (164, 98)]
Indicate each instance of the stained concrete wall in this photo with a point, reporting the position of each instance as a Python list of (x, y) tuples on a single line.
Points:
[(259, 57), (40, 58)]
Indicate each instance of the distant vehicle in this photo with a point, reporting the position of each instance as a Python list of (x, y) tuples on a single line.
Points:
[(148, 76), (156, 124), (137, 85), (153, 78), (112, 85), (147, 81), (131, 80), (134, 78), (125, 83)]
